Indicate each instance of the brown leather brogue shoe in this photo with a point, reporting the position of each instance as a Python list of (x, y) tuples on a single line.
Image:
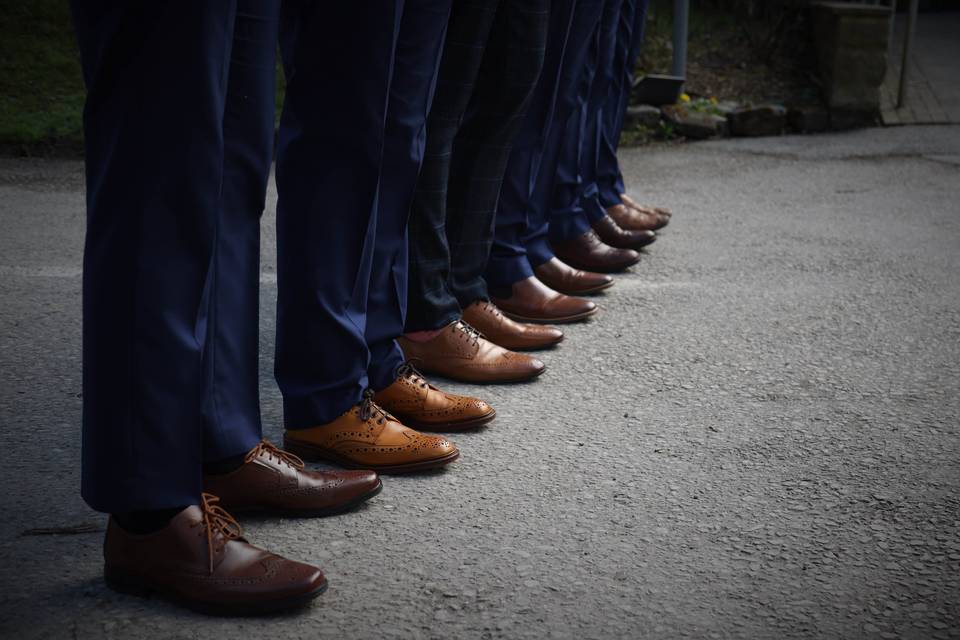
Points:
[(532, 301), (633, 219), (612, 234), (494, 325), (201, 560), (460, 352), (271, 479), (660, 212), (588, 252), (561, 277), (368, 437), (419, 404), (635, 216)]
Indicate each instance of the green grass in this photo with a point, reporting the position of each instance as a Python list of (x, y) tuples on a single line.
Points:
[(41, 89), (41, 86)]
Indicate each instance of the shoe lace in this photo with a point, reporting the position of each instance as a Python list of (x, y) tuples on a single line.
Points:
[(370, 409), (492, 308), (272, 451), (467, 332), (407, 370), (220, 526)]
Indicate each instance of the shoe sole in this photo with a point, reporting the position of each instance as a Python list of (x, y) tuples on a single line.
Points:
[(462, 425), (130, 585), (315, 454), (656, 227), (579, 317), (525, 378), (528, 348), (310, 513), (635, 247), (583, 292), (598, 268)]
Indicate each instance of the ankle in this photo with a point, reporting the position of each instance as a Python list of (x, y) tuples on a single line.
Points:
[(424, 336), (224, 465), (143, 522)]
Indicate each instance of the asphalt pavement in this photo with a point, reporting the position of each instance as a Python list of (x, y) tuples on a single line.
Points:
[(757, 437)]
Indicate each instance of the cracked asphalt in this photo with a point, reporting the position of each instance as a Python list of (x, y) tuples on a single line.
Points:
[(756, 438)]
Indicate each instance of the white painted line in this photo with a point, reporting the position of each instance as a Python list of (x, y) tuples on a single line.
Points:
[(76, 272), (271, 277), (41, 272)]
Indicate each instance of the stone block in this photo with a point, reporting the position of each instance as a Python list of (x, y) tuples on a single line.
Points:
[(851, 41), (643, 115), (763, 120), (808, 118), (844, 119), (693, 124)]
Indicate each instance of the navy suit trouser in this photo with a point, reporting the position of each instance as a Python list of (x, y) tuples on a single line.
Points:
[(175, 119), (508, 261), (350, 145), (491, 61), (179, 137), (523, 215), (419, 47), (587, 191), (630, 32)]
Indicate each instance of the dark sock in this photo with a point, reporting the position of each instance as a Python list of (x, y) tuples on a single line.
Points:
[(141, 522), (223, 465)]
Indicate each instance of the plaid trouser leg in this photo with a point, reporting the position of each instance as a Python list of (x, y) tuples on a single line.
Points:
[(505, 83), (490, 64), (430, 303)]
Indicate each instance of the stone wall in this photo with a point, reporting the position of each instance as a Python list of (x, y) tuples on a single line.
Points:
[(851, 41)]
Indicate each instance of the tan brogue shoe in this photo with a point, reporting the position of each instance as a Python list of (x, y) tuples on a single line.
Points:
[(561, 277), (419, 404), (202, 561), (486, 318), (368, 437), (532, 301), (273, 480), (460, 352)]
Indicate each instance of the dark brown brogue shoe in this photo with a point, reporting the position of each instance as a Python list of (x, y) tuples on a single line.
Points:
[(633, 219), (487, 318), (460, 352), (561, 277), (532, 301), (663, 214), (612, 234), (202, 561), (274, 480), (588, 252)]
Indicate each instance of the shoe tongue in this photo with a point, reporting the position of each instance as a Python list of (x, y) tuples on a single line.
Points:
[(454, 342), (435, 399), (490, 309), (374, 425), (416, 384), (188, 516)]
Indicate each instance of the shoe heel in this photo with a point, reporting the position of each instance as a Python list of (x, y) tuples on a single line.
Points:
[(123, 583)]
